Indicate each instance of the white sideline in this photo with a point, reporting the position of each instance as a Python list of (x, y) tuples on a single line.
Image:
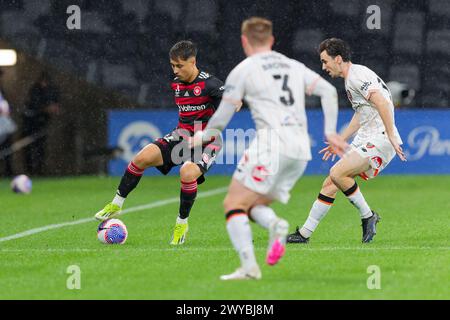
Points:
[(132, 209)]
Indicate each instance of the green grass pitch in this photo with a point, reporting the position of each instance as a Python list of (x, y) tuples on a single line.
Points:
[(411, 248)]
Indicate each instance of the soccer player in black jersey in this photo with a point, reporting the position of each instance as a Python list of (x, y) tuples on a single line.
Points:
[(197, 95)]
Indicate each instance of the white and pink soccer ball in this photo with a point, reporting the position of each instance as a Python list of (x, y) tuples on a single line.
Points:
[(112, 231), (21, 184)]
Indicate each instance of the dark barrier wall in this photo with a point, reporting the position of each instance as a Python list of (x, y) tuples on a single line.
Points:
[(426, 137)]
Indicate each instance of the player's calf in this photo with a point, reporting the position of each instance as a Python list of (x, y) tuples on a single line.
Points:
[(189, 173), (318, 211)]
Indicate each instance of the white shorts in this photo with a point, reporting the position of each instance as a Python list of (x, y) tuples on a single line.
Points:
[(378, 150), (269, 174)]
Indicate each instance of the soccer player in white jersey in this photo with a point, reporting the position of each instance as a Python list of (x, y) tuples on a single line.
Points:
[(274, 87), (375, 145)]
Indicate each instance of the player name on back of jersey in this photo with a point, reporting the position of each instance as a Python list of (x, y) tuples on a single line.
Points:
[(274, 64)]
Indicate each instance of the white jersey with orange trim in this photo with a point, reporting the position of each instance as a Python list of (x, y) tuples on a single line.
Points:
[(274, 86), (360, 83)]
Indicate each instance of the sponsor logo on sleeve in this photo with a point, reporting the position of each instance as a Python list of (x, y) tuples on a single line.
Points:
[(365, 86)]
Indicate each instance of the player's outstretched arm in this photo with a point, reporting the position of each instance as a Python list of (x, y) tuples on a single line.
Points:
[(383, 108), (336, 146), (230, 103), (329, 101), (351, 129), (216, 124), (318, 86)]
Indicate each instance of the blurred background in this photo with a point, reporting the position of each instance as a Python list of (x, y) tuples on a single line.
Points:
[(118, 60)]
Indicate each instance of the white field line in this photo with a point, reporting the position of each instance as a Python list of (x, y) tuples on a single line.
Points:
[(132, 209), (218, 249)]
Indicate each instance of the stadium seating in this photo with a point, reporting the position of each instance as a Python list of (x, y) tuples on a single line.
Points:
[(36, 8), (439, 8), (438, 42), (138, 7), (131, 38), (307, 40), (11, 5), (408, 34), (15, 22), (349, 8), (408, 74)]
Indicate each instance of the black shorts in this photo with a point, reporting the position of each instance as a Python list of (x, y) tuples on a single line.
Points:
[(175, 151)]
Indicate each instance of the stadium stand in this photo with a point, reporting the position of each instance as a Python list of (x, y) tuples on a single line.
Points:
[(123, 45)]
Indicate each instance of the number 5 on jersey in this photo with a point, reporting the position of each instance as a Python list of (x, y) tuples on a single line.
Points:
[(287, 99)]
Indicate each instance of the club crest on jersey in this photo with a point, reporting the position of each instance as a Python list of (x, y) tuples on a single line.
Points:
[(259, 173), (197, 91), (177, 91)]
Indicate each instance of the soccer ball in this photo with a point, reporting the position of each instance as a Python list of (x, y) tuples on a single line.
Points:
[(112, 231), (21, 184)]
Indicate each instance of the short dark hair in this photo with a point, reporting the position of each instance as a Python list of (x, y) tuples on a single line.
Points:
[(336, 47), (183, 50)]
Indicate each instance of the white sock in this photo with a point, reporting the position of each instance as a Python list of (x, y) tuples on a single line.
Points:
[(240, 233), (319, 210), (263, 215), (182, 221), (357, 199), (118, 200)]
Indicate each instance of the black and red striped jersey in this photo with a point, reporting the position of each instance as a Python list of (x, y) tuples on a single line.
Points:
[(197, 101)]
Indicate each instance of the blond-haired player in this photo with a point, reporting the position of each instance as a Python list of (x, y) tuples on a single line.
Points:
[(274, 86)]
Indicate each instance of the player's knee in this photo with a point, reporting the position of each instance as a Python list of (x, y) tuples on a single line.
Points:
[(189, 171), (227, 204), (148, 157), (335, 176), (145, 160), (329, 188), (141, 161), (327, 182), (233, 203), (230, 205)]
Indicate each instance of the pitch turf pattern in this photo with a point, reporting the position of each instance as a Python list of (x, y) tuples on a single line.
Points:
[(412, 247)]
